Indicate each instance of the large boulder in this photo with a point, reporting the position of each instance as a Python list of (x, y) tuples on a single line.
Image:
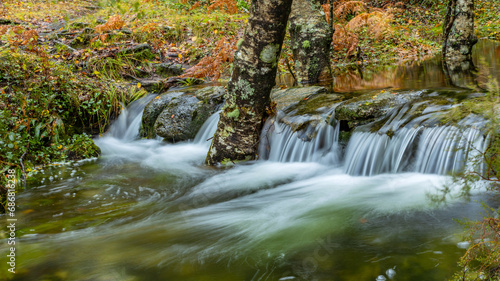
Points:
[(305, 106), (368, 107), (151, 112), (178, 115), (182, 118)]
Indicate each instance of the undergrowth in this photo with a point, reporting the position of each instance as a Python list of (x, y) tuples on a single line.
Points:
[(49, 112), (481, 261)]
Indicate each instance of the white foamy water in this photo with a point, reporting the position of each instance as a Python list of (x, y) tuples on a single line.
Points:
[(155, 207)]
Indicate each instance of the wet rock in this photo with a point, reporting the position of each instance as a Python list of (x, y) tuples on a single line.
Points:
[(58, 26), (100, 21), (305, 106), (211, 95), (182, 118), (178, 116), (151, 84), (368, 107), (83, 37), (292, 96), (151, 112), (168, 69)]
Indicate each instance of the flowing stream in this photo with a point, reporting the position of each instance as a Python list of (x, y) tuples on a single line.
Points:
[(148, 210), (313, 210)]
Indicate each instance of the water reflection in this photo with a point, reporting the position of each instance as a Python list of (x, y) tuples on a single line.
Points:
[(427, 74)]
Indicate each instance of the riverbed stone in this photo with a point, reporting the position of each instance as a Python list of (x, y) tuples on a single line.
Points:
[(182, 118), (178, 115), (168, 69), (305, 106), (368, 107), (151, 112)]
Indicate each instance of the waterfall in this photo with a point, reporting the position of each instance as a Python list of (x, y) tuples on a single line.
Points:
[(415, 145), (207, 131), (448, 149), (126, 126), (408, 139), (280, 143)]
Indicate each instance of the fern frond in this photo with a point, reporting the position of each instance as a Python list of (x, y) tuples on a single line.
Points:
[(212, 66), (377, 22), (227, 5), (114, 22), (346, 9), (344, 39), (358, 22), (326, 10)]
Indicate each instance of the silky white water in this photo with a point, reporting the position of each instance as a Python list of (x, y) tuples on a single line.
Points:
[(149, 210)]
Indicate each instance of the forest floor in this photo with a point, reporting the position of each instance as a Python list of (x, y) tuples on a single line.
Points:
[(68, 67)]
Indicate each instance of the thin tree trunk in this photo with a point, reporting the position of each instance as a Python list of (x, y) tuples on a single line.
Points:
[(311, 40), (253, 77), (458, 35)]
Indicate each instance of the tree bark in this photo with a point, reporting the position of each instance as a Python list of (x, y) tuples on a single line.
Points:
[(253, 77), (458, 35), (311, 39)]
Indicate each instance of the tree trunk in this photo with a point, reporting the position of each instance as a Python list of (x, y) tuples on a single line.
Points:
[(311, 40), (253, 77), (458, 35)]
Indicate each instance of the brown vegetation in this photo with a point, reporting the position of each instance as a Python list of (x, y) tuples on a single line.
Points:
[(212, 66)]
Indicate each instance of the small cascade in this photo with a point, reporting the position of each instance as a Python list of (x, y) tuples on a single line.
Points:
[(405, 143), (447, 149), (126, 126), (280, 143), (207, 131)]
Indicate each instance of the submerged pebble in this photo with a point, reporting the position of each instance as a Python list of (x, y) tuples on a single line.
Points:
[(391, 273), (381, 278)]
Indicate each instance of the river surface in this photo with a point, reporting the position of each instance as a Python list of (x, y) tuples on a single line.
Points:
[(148, 210)]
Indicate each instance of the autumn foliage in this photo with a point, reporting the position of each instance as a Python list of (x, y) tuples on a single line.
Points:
[(225, 5), (114, 22), (212, 66), (352, 17)]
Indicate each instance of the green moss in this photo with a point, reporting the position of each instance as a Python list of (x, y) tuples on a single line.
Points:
[(344, 136), (234, 114), (270, 53), (238, 45), (306, 44), (229, 162), (228, 130), (245, 90)]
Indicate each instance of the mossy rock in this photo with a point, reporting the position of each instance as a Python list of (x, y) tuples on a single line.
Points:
[(211, 95), (289, 97), (182, 118), (368, 107), (190, 108), (305, 106), (151, 112), (168, 69)]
